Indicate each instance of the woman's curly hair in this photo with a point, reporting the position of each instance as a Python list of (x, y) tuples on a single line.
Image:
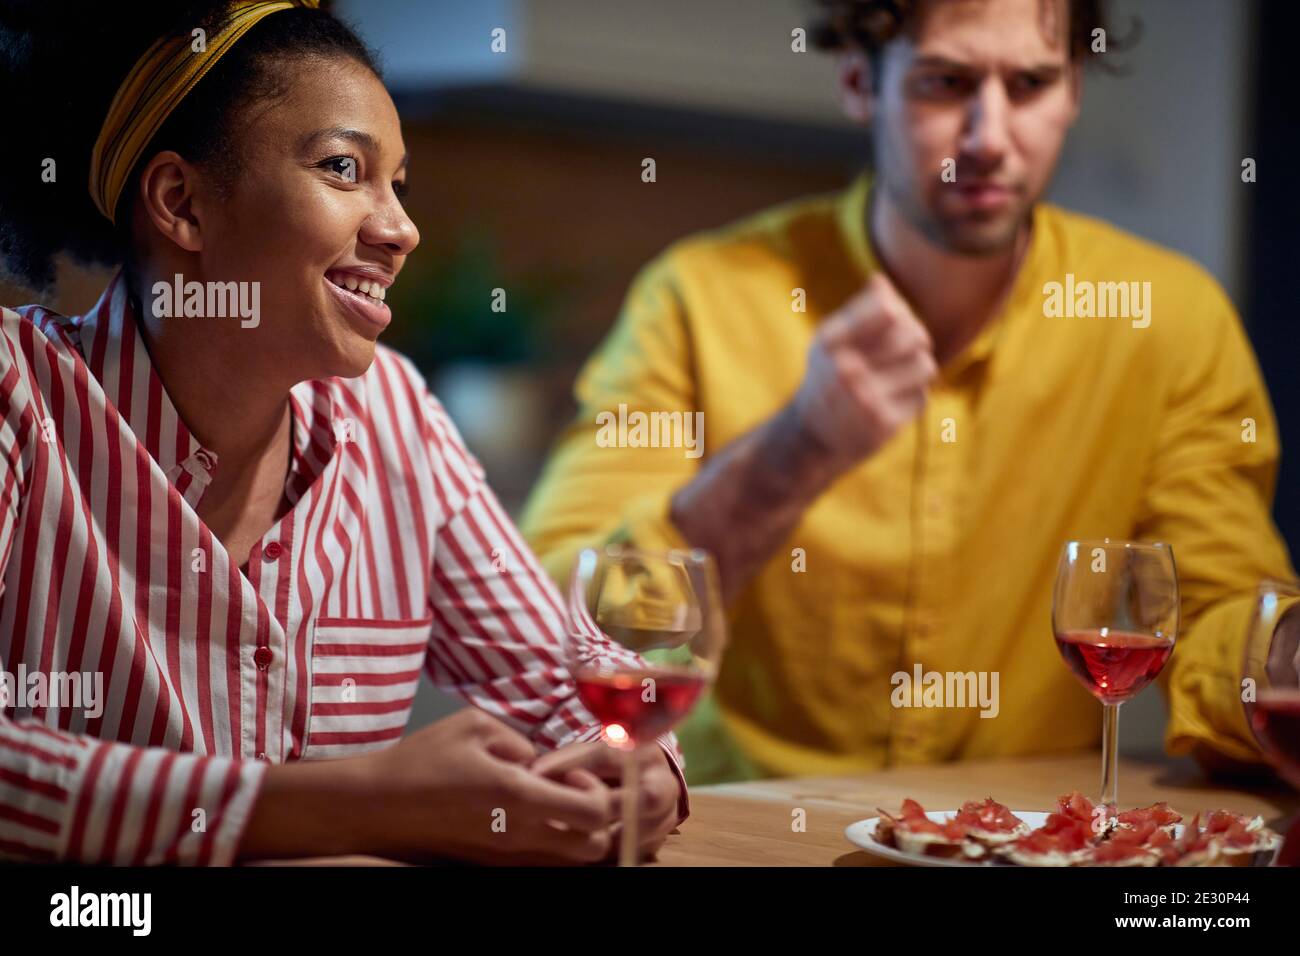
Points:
[(61, 62)]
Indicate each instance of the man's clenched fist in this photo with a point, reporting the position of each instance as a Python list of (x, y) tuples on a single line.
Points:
[(869, 371)]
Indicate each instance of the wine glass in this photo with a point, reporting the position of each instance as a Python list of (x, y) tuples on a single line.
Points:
[(1270, 691), (1271, 688), (645, 637), (1115, 618)]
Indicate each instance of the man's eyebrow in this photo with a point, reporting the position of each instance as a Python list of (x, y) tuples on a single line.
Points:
[(358, 136), (935, 62), (1044, 69)]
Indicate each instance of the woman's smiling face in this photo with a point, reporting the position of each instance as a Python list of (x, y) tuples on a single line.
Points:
[(315, 217)]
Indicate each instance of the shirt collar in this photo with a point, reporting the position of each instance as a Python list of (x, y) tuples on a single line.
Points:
[(852, 213), (320, 425), (117, 356)]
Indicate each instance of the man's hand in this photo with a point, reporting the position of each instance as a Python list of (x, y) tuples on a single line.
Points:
[(869, 371), (659, 789)]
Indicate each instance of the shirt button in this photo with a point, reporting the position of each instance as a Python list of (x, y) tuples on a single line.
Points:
[(204, 459), (262, 657), (261, 756), (272, 551)]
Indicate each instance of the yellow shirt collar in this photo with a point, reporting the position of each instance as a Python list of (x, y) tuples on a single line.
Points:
[(857, 240)]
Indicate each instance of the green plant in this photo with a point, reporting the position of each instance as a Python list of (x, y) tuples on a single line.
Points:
[(443, 308)]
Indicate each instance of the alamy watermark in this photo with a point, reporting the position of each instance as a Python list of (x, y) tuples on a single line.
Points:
[(210, 300), (65, 690), (651, 430), (946, 689), (1082, 299), (133, 911)]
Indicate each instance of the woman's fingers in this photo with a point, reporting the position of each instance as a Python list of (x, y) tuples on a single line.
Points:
[(647, 844), (584, 779), (503, 741), (657, 810), (591, 755), (573, 846), (601, 759), (579, 766), (584, 805)]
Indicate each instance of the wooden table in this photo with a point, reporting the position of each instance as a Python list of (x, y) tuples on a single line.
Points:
[(752, 824)]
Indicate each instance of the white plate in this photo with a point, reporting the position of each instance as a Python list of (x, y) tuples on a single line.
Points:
[(863, 834)]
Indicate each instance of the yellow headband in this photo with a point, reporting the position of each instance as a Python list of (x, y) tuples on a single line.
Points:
[(154, 88)]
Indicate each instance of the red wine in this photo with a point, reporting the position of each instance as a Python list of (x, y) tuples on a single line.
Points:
[(1114, 665), (1277, 722), (644, 702)]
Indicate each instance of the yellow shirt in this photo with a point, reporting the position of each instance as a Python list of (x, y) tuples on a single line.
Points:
[(941, 549)]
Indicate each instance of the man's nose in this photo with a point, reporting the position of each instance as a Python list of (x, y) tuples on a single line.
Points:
[(985, 137)]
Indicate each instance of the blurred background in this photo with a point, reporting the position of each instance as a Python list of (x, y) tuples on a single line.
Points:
[(526, 176)]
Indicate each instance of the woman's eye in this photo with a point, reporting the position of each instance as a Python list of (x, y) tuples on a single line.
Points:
[(343, 166), (401, 189)]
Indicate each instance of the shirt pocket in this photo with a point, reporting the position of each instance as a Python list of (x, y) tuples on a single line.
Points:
[(363, 680)]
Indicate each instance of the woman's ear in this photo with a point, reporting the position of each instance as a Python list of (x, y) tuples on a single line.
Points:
[(167, 189), (857, 96)]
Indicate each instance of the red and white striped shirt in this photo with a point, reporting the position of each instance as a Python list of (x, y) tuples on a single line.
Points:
[(395, 558)]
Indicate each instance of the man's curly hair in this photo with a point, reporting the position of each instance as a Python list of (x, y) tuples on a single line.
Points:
[(868, 25)]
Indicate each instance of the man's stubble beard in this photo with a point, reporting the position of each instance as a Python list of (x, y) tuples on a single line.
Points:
[(967, 236), (964, 237)]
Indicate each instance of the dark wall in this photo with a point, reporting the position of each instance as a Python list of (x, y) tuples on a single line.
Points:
[(1273, 261)]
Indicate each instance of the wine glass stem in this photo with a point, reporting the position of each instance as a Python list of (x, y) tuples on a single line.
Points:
[(1110, 755), (627, 855)]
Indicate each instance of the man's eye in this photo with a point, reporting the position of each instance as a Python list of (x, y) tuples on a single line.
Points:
[(401, 190), (1028, 83), (941, 84)]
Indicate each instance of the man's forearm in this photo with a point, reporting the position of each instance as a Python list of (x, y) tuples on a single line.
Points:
[(749, 498)]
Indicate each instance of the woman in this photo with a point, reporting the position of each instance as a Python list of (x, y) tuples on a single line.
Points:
[(219, 493)]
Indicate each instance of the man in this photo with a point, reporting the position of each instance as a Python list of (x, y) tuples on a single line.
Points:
[(915, 393)]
